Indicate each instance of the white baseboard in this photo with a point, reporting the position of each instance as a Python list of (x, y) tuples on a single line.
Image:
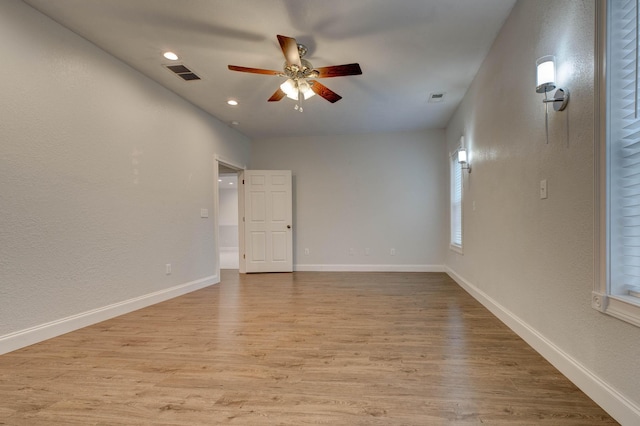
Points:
[(369, 268), (613, 402), (42, 332)]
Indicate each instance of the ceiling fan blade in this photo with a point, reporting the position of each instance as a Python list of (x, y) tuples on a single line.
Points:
[(290, 49), (339, 70), (325, 92), (254, 70), (277, 96)]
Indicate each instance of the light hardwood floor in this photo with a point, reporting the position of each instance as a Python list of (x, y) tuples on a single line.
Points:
[(295, 349)]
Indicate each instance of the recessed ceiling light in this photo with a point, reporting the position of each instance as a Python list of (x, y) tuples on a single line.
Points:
[(232, 102), (219, 180), (235, 123), (230, 183), (170, 55)]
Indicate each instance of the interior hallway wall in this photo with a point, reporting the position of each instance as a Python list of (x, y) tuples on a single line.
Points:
[(228, 220), (532, 257), (364, 191), (103, 173)]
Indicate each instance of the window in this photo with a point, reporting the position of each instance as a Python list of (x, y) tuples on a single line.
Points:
[(456, 203), (617, 290)]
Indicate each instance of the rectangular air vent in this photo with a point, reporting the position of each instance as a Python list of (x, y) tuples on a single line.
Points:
[(183, 72)]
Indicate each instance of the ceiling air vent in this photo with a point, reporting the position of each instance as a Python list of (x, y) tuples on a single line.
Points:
[(436, 97), (183, 72)]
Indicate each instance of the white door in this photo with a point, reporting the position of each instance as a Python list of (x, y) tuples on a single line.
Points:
[(268, 233)]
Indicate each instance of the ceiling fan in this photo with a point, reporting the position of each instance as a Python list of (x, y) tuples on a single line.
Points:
[(300, 74)]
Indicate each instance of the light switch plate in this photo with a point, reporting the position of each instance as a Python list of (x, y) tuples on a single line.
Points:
[(204, 212), (543, 189)]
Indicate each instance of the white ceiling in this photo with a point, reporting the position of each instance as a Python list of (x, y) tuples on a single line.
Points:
[(407, 49)]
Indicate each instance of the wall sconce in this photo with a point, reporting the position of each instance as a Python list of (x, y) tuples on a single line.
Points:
[(546, 82), (462, 156)]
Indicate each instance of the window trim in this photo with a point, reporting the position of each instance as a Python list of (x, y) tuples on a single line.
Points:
[(452, 246), (621, 307)]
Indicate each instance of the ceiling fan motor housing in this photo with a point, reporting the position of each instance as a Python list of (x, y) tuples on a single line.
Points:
[(294, 72)]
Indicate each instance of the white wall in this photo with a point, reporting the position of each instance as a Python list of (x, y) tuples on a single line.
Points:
[(533, 259), (102, 176), (228, 219), (376, 191)]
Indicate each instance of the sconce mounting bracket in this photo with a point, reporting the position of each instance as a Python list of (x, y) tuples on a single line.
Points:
[(560, 99)]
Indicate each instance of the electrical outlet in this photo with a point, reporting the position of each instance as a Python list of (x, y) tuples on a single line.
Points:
[(352, 252), (393, 252), (204, 212), (167, 269), (306, 251), (367, 251)]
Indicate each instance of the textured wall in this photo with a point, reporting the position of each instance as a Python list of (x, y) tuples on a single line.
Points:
[(228, 219), (102, 177), (376, 191), (535, 257)]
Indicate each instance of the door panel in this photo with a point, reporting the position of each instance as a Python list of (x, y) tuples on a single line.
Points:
[(258, 245), (268, 219), (279, 246), (279, 203), (258, 207)]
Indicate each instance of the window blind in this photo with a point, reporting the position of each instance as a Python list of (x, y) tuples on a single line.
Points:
[(623, 148), (456, 201)]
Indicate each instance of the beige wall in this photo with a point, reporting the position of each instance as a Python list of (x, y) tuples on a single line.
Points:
[(102, 177), (534, 257), (376, 191)]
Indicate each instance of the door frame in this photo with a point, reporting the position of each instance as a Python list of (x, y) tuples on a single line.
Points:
[(217, 161)]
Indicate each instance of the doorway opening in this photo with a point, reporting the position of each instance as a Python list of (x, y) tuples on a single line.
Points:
[(228, 244), (228, 220)]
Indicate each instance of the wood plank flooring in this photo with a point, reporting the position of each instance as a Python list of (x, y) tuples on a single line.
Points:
[(295, 349)]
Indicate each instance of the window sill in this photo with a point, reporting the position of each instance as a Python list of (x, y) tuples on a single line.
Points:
[(625, 308), (456, 248)]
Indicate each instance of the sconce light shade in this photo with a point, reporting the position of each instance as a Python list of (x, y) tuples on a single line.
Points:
[(545, 74), (462, 156)]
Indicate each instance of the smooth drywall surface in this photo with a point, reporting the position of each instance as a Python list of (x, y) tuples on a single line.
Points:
[(535, 256), (367, 191), (228, 217), (102, 177)]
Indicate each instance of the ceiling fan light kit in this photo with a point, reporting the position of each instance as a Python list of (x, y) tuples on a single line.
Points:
[(294, 88), (299, 73)]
